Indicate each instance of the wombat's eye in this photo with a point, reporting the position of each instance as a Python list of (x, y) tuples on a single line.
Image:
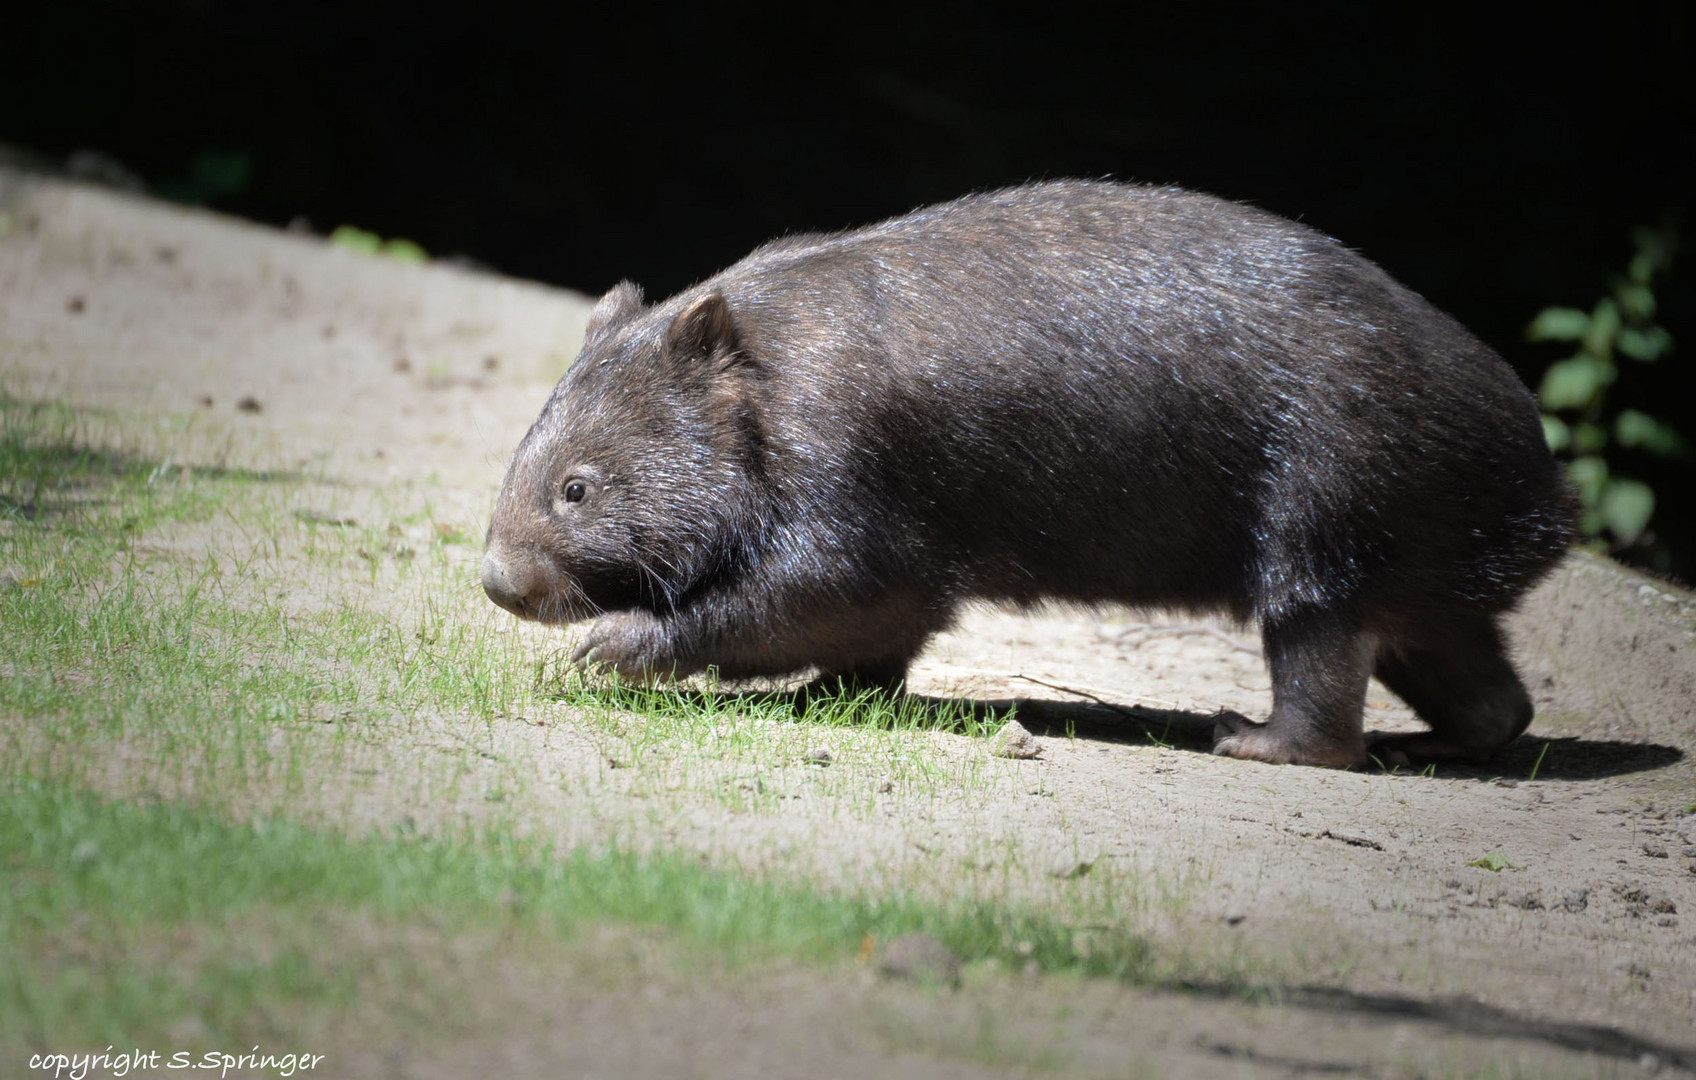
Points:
[(575, 491)]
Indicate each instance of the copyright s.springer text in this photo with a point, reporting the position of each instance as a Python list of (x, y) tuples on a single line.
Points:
[(114, 1062)]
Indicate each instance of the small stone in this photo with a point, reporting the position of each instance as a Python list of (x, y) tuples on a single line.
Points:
[(1507, 782), (1655, 851), (1661, 905), (921, 958), (818, 755), (1014, 741)]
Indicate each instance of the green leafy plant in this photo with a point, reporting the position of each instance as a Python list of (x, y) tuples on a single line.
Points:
[(1580, 420), (359, 240), (1494, 863)]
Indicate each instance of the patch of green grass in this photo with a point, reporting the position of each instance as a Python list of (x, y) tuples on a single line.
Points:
[(92, 887)]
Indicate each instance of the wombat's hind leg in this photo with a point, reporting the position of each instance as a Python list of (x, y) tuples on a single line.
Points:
[(1320, 664), (1461, 683)]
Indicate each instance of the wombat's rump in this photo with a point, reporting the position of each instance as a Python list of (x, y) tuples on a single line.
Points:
[(1075, 392)]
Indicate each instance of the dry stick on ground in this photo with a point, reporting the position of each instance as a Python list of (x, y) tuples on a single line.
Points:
[(1150, 631), (1133, 711)]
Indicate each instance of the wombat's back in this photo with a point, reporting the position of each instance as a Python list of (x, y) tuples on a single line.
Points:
[(1091, 392)]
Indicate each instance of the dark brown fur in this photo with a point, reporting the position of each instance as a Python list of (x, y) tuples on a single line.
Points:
[(1074, 392)]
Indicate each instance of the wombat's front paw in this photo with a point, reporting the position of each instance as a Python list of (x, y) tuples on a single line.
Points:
[(632, 645)]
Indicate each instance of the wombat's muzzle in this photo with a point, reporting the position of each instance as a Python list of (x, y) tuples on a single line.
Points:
[(514, 584)]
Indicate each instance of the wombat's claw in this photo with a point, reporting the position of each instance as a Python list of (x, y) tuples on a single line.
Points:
[(615, 645)]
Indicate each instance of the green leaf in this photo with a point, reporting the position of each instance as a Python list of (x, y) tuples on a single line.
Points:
[(1574, 382), (1626, 506), (402, 250), (1637, 301), (1639, 430), (1648, 344), (1654, 247), (1604, 327), (1494, 863), (1642, 268), (1588, 438), (1556, 433), (365, 243), (1558, 324), (1590, 474)]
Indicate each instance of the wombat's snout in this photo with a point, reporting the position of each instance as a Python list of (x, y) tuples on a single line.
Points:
[(514, 584)]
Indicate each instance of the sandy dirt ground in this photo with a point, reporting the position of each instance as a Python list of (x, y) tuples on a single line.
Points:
[(1578, 957)]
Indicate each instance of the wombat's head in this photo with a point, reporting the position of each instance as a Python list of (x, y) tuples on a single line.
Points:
[(637, 484)]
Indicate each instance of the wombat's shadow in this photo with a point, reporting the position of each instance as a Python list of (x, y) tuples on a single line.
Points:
[(1528, 757), (1531, 756)]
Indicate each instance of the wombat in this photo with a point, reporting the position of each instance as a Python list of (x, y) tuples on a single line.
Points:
[(1073, 392)]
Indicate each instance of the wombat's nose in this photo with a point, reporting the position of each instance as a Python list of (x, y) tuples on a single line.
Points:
[(509, 583)]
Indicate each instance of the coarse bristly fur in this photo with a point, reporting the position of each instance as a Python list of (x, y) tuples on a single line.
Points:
[(1079, 392)]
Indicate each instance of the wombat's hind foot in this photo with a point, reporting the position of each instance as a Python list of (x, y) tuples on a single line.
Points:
[(1235, 735), (1462, 684), (1319, 663)]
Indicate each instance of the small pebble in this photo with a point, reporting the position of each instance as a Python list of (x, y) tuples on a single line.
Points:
[(818, 755), (1655, 851), (1014, 741)]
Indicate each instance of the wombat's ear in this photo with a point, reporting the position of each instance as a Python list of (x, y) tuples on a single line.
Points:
[(705, 329), (622, 302)]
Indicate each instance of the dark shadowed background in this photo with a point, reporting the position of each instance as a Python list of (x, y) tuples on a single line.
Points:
[(1496, 166)]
